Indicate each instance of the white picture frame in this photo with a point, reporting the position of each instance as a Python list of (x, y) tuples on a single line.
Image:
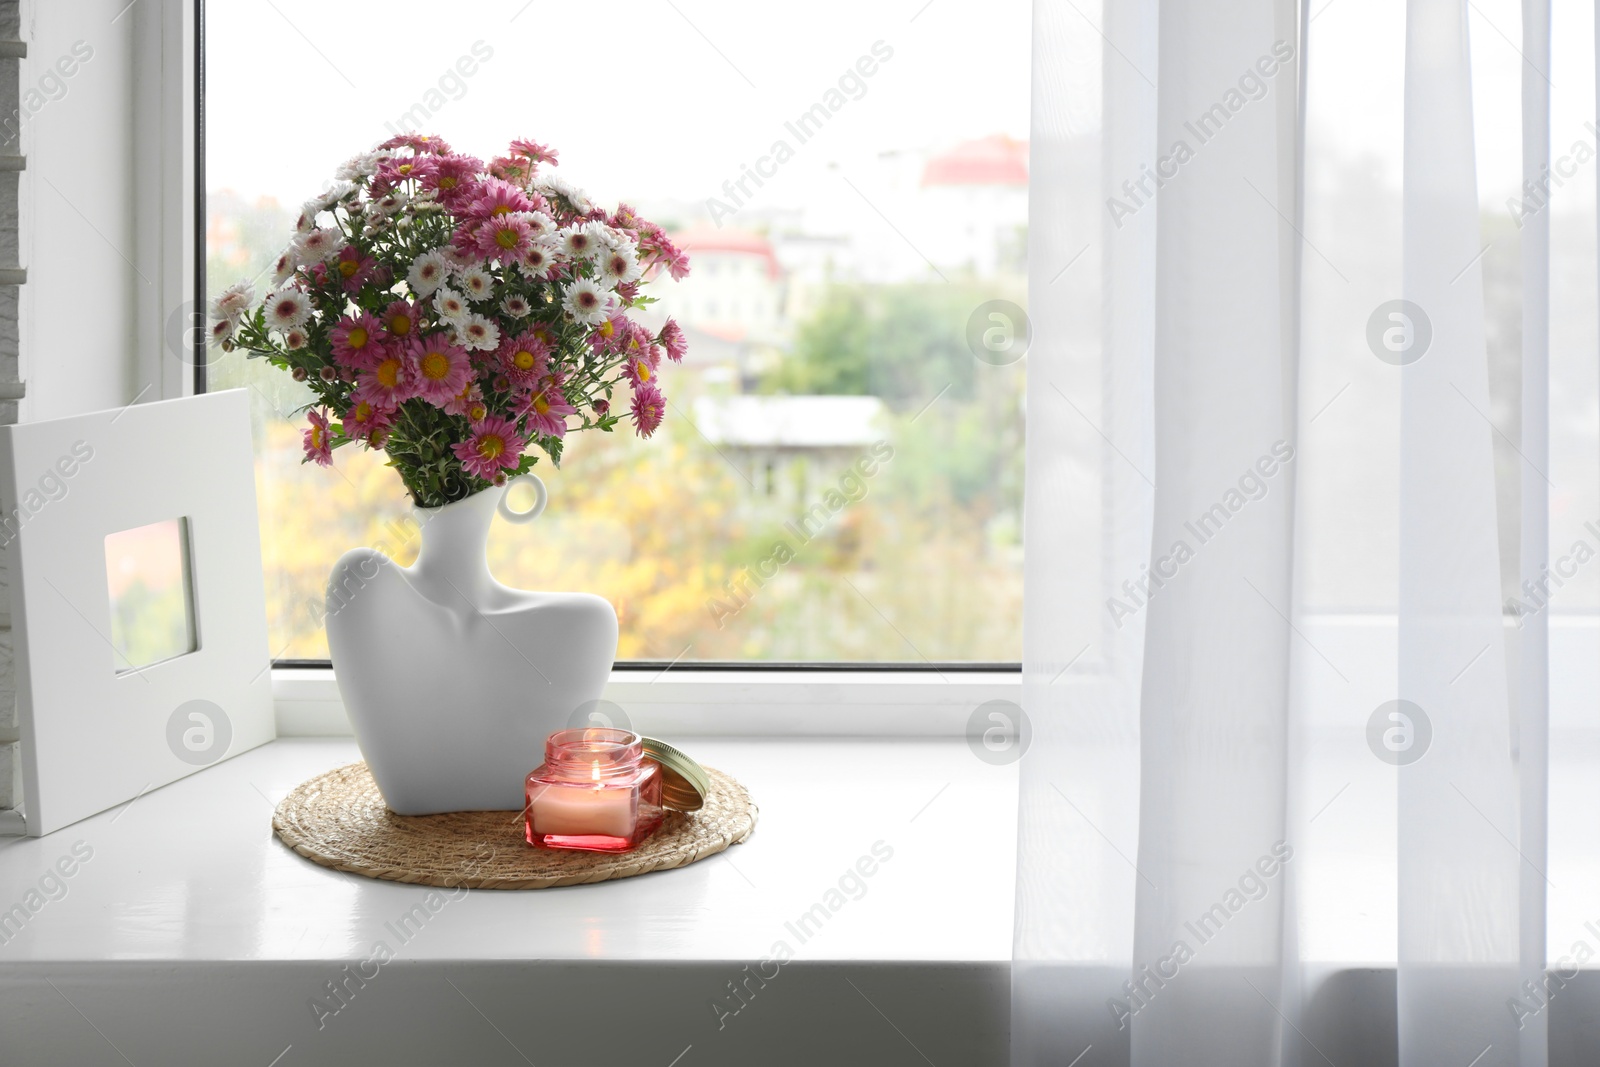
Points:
[(95, 729)]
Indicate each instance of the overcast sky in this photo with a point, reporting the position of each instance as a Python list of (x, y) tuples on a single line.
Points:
[(667, 99), (658, 98)]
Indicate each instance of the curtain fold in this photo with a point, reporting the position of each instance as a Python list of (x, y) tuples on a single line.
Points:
[(1158, 892), (1208, 937), (1533, 652), (1459, 882)]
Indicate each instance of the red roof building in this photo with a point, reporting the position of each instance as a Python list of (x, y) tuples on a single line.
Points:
[(994, 160), (727, 242)]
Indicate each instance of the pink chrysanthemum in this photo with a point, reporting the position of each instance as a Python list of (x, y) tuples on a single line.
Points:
[(364, 420), (546, 408), (511, 170), (649, 408), (317, 439), (357, 343), (661, 253), (354, 268), (505, 237), (525, 358), (673, 340), (441, 369), (611, 334), (400, 169), (390, 383), (533, 150), (463, 403), (643, 359), (493, 447), (678, 265), (497, 197), (624, 218), (455, 178), (400, 320), (417, 142)]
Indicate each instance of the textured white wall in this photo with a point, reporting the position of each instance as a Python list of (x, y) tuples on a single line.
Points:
[(78, 226), (67, 216)]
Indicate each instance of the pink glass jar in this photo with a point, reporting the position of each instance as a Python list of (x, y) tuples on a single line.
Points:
[(595, 791)]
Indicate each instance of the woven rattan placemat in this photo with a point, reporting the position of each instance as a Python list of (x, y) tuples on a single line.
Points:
[(339, 819)]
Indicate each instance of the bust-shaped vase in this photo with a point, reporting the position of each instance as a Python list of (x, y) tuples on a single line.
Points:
[(452, 680)]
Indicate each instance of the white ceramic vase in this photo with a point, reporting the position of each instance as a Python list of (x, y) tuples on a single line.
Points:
[(452, 680)]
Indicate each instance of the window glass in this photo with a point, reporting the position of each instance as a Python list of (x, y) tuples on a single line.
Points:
[(839, 477)]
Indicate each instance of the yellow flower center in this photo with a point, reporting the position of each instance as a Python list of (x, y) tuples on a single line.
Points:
[(435, 366), (606, 329), (501, 209), (388, 373), (541, 405), (477, 413), (644, 370), (357, 337), (405, 168), (491, 445), (524, 360), (506, 238), (447, 182), (363, 411), (347, 267), (400, 324), (316, 437)]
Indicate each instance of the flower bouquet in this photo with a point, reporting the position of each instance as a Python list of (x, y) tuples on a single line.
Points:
[(456, 315)]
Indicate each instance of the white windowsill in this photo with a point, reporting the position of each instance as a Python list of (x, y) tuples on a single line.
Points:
[(191, 912)]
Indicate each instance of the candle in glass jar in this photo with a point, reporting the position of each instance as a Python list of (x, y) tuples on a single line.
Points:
[(595, 791)]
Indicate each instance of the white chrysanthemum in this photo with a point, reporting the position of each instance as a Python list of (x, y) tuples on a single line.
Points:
[(515, 306), (610, 236), (286, 309), (582, 241), (284, 266), (477, 331), (318, 245), (306, 221), (335, 192), (294, 337), (364, 165), (476, 282), (428, 272), (450, 305), (390, 203), (539, 224), (586, 302), (234, 302), (459, 258), (550, 183), (539, 258), (620, 265)]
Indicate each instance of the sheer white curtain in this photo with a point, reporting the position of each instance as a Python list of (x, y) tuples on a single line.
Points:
[(1180, 688)]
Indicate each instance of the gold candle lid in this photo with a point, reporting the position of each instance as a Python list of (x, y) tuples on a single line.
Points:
[(684, 783)]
